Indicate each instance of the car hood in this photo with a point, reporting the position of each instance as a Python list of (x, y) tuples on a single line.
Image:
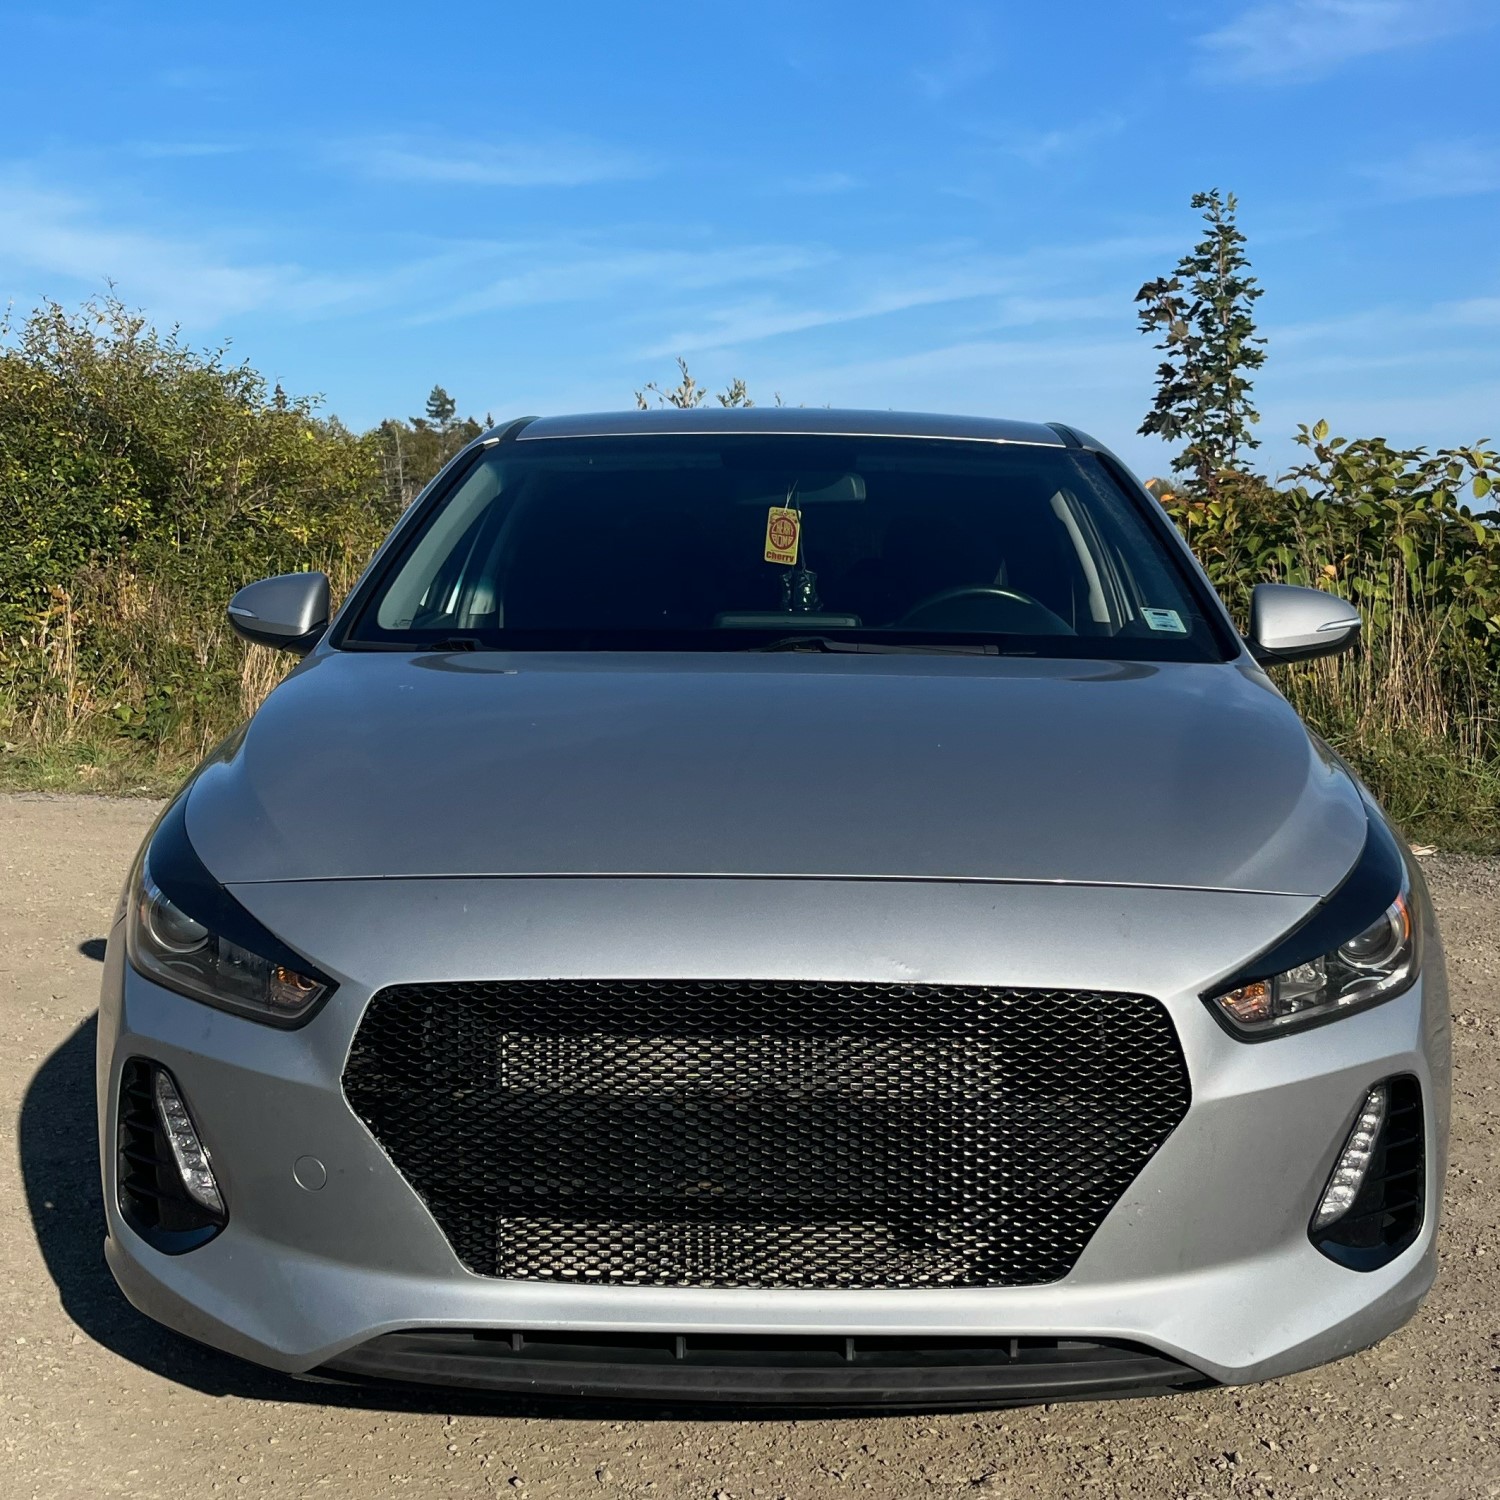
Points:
[(370, 764)]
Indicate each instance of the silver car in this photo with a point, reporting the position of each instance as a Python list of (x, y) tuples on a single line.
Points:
[(777, 906)]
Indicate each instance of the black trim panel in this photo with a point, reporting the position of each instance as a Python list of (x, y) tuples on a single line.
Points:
[(922, 1372)]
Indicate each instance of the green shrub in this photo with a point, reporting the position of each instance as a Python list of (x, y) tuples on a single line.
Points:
[(141, 483), (1413, 707)]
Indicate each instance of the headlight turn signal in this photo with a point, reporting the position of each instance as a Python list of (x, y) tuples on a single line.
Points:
[(1360, 945), (176, 950), (1377, 962)]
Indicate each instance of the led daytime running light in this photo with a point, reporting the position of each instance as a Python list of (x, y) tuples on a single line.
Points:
[(1354, 1163), (187, 1150)]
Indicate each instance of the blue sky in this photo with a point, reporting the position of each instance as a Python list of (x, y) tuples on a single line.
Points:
[(944, 206)]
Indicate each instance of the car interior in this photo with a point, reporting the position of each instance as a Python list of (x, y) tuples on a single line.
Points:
[(547, 546)]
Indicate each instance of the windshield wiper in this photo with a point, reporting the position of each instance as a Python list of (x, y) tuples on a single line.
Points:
[(833, 643)]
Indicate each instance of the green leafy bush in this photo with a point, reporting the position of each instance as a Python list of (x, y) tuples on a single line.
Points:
[(141, 483), (1414, 705)]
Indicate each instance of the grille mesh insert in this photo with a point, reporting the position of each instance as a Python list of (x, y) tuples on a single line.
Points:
[(760, 1133)]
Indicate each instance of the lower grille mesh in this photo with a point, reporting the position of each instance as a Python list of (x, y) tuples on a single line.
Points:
[(771, 1134)]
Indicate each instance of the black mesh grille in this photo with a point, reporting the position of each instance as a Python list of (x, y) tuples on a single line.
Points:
[(739, 1133)]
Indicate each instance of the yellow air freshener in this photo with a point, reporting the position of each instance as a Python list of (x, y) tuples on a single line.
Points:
[(783, 535)]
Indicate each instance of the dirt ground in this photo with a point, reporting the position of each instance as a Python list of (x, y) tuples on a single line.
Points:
[(95, 1400)]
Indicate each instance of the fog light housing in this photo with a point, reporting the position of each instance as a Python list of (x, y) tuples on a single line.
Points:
[(1374, 1204), (165, 1183)]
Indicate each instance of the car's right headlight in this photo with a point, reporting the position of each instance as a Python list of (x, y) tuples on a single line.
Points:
[(186, 932), (1361, 946)]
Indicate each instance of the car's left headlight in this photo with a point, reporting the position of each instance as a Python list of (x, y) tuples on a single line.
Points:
[(1362, 946), (185, 931)]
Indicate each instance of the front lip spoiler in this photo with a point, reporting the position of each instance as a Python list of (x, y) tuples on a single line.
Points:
[(915, 1373)]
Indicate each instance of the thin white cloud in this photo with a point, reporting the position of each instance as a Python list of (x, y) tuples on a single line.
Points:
[(1040, 148), (995, 292), (1438, 414), (1380, 370), (1369, 371), (55, 243), (1021, 312), (1387, 332), (1090, 360), (751, 321), (210, 84), (190, 78), (1115, 250), (820, 184), (1441, 169), (1472, 312), (970, 59), (542, 272), (173, 150), (47, 236), (1296, 41), (561, 161), (1426, 375), (1096, 383)]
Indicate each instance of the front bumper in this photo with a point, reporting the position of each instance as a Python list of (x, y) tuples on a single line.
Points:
[(1204, 1264)]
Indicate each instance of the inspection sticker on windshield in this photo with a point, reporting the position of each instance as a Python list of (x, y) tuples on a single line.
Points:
[(783, 535), (1164, 619)]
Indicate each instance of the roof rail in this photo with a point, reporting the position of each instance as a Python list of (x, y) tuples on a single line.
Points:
[(506, 432)]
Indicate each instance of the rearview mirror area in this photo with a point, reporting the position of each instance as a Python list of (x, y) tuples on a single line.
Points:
[(1288, 623), (288, 612)]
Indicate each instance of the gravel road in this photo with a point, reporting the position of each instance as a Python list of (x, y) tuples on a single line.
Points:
[(94, 1400)]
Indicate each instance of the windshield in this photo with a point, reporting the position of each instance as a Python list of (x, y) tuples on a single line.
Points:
[(748, 542)]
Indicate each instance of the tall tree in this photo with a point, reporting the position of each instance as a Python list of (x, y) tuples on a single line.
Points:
[(1202, 315), (441, 409)]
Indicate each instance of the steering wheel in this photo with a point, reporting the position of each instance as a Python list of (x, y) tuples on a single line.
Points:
[(981, 607)]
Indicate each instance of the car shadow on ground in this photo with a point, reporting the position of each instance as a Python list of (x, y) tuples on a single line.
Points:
[(60, 1170)]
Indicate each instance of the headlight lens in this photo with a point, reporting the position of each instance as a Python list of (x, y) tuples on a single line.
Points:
[(175, 949), (1377, 962)]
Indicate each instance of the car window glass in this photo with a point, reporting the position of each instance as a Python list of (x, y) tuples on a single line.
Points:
[(641, 541)]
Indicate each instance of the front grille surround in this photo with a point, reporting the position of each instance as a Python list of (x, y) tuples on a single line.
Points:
[(756, 1133)]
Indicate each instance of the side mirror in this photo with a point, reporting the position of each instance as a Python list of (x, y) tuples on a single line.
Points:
[(288, 612), (1295, 624)]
